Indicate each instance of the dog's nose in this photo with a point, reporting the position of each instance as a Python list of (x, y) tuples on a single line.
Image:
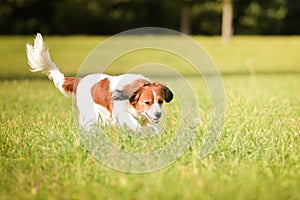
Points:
[(157, 114)]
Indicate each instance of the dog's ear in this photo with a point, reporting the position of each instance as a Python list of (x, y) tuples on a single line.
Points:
[(167, 94), (129, 90), (135, 97), (165, 91)]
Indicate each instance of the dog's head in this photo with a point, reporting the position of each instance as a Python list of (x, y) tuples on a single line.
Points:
[(148, 100)]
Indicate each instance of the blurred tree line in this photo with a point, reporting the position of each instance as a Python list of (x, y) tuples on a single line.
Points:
[(114, 16)]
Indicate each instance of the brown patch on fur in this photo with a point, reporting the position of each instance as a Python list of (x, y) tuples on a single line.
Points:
[(70, 84), (143, 95), (143, 98), (101, 94)]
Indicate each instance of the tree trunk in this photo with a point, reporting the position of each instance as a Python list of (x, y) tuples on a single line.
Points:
[(185, 18), (227, 10)]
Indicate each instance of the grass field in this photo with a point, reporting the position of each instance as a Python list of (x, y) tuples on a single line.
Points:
[(257, 157)]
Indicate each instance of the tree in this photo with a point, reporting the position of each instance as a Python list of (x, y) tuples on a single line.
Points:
[(227, 16), (185, 18)]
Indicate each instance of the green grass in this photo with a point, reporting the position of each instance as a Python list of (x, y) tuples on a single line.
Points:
[(245, 55), (257, 157)]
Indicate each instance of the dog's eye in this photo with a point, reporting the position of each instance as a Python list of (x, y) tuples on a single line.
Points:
[(160, 101), (147, 102)]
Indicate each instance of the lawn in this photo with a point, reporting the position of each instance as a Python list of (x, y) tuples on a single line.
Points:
[(257, 156)]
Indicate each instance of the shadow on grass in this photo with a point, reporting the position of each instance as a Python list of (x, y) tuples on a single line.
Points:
[(224, 74)]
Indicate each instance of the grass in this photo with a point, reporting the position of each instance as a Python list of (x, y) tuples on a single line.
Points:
[(245, 55), (257, 157)]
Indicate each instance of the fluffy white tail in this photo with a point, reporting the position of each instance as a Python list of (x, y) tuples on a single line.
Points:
[(39, 60)]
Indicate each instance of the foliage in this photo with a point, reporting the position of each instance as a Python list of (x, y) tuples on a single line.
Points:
[(110, 17), (271, 13)]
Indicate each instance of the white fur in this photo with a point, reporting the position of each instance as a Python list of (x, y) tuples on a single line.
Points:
[(39, 60), (155, 108), (91, 113)]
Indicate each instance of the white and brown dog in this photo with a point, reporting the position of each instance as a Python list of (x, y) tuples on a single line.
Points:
[(129, 100)]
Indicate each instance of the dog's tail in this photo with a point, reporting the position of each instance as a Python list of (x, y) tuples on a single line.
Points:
[(39, 60)]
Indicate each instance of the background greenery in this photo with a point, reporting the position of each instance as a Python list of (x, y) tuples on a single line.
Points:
[(113, 16), (257, 157)]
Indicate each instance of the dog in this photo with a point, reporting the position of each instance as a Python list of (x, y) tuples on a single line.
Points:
[(128, 100)]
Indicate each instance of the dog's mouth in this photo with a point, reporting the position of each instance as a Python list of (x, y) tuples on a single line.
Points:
[(153, 120)]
